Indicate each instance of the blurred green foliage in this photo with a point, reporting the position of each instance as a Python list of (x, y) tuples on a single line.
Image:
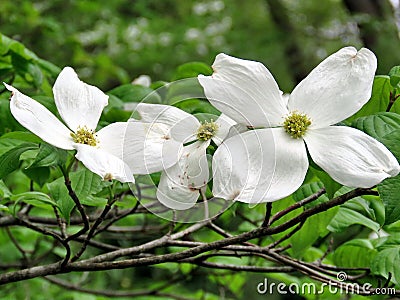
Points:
[(113, 43)]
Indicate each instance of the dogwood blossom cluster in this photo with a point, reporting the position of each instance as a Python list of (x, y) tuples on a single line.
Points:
[(263, 139)]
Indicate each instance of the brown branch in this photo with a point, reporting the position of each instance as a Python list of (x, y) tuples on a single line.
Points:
[(61, 223), (55, 235), (230, 240), (102, 262), (16, 244), (297, 205), (392, 99), (11, 221), (287, 236), (80, 208), (97, 244), (255, 269), (268, 211), (118, 217), (92, 230), (137, 229)]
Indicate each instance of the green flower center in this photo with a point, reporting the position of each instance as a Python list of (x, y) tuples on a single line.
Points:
[(85, 136), (296, 124), (207, 130)]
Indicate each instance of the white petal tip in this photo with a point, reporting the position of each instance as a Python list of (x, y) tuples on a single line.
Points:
[(9, 87), (394, 171), (68, 69)]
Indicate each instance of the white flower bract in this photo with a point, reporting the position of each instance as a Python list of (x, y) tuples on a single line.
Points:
[(181, 182), (268, 163), (80, 106)]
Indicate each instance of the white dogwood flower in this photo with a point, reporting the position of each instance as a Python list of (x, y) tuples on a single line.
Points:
[(180, 183), (80, 106), (270, 162)]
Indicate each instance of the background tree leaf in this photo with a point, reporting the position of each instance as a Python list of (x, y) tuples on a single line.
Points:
[(191, 70), (387, 261), (379, 98), (346, 217), (354, 254), (389, 190), (379, 124), (49, 156), (9, 161)]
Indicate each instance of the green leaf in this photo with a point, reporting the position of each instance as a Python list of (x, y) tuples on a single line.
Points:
[(195, 106), (8, 144), (22, 136), (135, 93), (355, 254), (346, 217), (59, 193), (377, 205), (331, 186), (4, 208), (394, 74), (49, 156), (116, 111), (27, 69), (307, 190), (128, 201), (387, 241), (391, 141), (191, 70), (37, 199), (387, 261), (378, 125), (93, 201), (4, 191), (184, 90), (314, 228), (364, 205), (39, 175), (7, 121), (9, 161), (379, 98), (312, 254), (84, 183), (389, 190)]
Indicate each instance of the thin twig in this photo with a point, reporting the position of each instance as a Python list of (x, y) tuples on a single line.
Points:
[(205, 201), (61, 223), (80, 208), (240, 268), (92, 230), (287, 236), (268, 211), (108, 261), (297, 205), (118, 217), (392, 99), (52, 234), (16, 244)]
